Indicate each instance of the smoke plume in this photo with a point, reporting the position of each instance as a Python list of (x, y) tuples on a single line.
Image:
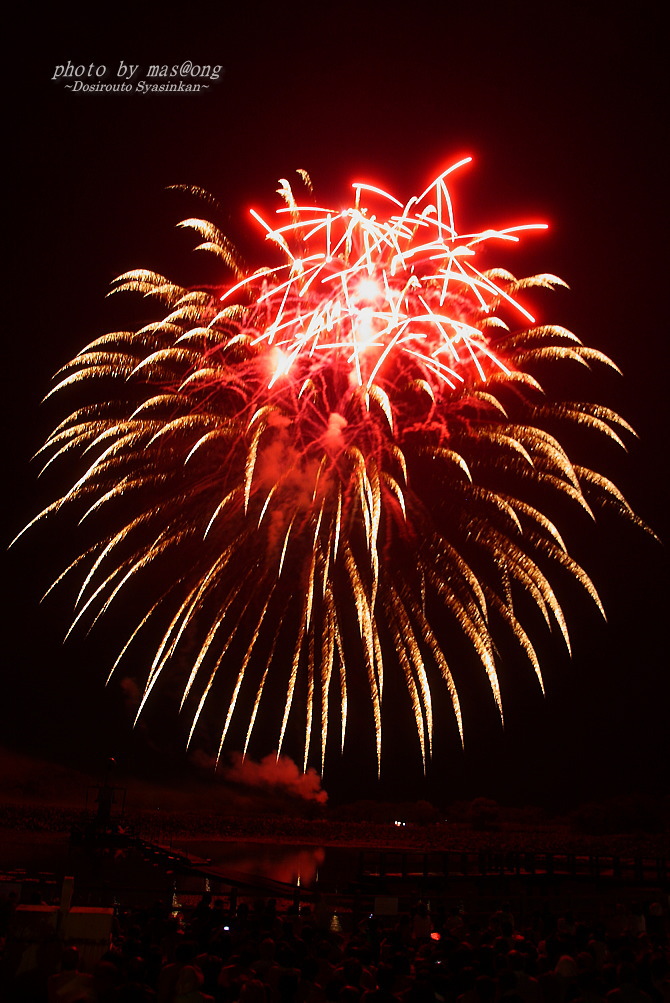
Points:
[(273, 773)]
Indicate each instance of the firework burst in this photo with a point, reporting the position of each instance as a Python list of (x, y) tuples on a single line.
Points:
[(322, 457)]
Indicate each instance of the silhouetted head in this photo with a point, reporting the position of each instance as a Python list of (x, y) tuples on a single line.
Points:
[(70, 959)]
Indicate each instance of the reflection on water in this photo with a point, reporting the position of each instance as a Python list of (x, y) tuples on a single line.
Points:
[(38, 851), (301, 865), (293, 865)]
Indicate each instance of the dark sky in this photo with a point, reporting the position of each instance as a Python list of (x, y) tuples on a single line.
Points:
[(561, 107)]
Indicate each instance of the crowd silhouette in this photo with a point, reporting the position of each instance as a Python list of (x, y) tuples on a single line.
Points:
[(310, 955)]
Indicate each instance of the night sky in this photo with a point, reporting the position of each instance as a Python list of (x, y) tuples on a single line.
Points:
[(561, 108)]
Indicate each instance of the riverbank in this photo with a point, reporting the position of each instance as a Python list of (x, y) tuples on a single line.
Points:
[(41, 823)]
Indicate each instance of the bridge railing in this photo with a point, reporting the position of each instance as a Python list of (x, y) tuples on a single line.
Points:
[(640, 870)]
